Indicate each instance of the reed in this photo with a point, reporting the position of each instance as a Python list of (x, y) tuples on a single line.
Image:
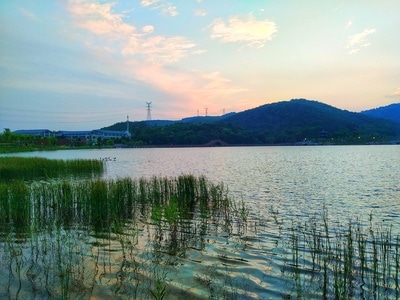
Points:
[(30, 168), (100, 203), (64, 235), (55, 232), (349, 261)]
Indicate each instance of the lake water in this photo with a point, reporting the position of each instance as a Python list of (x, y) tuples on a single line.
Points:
[(282, 187), (348, 180)]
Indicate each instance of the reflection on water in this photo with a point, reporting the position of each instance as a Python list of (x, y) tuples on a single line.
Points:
[(315, 222), (131, 239)]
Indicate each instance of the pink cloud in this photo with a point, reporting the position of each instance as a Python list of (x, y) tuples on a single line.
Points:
[(396, 92), (193, 89), (144, 56), (98, 18)]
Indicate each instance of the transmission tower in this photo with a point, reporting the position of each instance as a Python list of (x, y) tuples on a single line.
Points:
[(148, 104)]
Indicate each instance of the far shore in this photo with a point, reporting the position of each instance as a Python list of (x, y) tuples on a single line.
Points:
[(33, 148)]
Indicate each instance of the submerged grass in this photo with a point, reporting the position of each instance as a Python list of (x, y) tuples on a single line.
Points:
[(30, 168)]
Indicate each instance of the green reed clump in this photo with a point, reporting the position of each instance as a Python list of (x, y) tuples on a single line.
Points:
[(100, 202), (29, 168), (15, 206), (74, 227), (344, 262), (4, 204)]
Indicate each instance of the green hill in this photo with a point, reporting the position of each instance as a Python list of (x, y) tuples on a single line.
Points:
[(299, 119), (285, 122), (390, 112)]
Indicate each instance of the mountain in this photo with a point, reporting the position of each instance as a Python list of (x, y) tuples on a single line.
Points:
[(389, 112), (285, 122), (298, 119)]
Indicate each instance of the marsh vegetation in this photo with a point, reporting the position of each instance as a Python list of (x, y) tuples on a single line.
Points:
[(185, 236), (37, 168)]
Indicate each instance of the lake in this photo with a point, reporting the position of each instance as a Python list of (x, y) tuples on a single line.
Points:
[(286, 190)]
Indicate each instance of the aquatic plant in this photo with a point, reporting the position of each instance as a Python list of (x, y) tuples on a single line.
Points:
[(61, 234), (132, 238), (30, 168), (348, 261)]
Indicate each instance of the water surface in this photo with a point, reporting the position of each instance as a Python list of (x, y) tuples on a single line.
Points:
[(283, 188)]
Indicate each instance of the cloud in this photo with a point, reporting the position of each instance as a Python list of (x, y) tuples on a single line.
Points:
[(200, 13), (349, 24), (252, 32), (113, 32), (394, 95), (357, 41), (165, 7), (216, 85), (145, 57), (98, 18), (396, 92), (149, 2), (169, 10), (160, 49), (189, 89), (148, 29)]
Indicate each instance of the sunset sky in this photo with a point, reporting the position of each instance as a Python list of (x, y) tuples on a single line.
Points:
[(86, 64)]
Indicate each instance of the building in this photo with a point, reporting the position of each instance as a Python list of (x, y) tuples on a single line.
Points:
[(89, 135), (36, 132), (74, 135), (109, 134)]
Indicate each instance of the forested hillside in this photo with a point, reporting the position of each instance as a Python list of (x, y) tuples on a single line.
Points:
[(390, 112), (285, 122), (289, 121)]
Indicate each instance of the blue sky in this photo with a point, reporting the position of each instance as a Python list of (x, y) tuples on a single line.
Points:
[(85, 64)]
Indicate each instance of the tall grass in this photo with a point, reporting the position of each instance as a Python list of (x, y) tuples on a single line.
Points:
[(352, 260), (100, 203), (29, 168), (70, 238), (71, 229)]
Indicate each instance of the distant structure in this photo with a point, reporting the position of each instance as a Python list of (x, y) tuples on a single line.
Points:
[(128, 134), (82, 134), (88, 135), (206, 111), (148, 104)]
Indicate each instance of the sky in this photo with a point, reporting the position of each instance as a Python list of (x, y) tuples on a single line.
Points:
[(87, 64)]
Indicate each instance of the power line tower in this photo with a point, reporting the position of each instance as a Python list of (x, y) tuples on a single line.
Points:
[(148, 104)]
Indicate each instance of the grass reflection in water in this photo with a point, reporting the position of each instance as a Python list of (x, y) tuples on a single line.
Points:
[(169, 238), (122, 237)]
